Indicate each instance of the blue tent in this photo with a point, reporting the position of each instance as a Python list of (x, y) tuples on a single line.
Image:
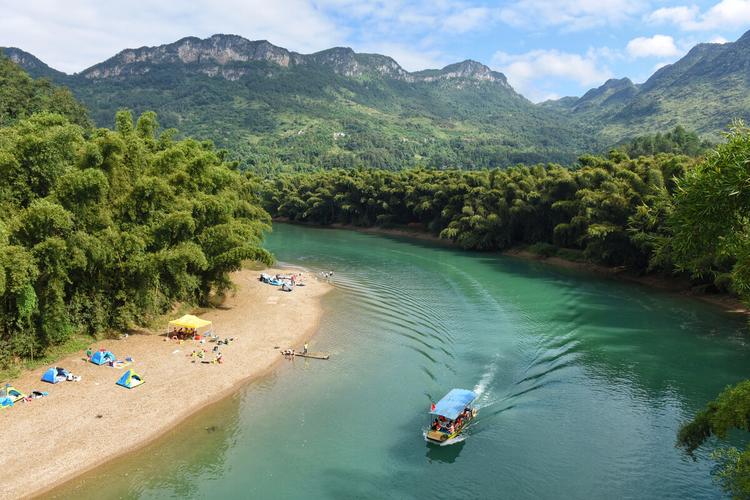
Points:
[(55, 375), (5, 402), (130, 379), (453, 403), (101, 357)]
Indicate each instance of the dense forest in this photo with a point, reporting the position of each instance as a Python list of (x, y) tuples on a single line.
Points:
[(676, 141), (99, 228), (21, 96), (612, 210)]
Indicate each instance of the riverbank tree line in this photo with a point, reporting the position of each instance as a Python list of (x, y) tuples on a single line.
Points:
[(101, 229), (650, 213)]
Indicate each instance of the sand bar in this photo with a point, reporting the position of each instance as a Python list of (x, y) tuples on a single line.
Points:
[(80, 425)]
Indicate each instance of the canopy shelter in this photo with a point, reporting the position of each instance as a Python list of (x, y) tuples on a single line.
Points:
[(453, 403), (190, 324)]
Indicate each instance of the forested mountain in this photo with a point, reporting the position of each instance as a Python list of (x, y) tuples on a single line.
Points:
[(332, 108), (337, 108), (704, 91), (21, 96)]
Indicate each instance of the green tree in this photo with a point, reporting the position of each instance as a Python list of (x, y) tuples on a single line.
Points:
[(730, 410)]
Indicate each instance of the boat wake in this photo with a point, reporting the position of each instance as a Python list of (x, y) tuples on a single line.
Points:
[(487, 377)]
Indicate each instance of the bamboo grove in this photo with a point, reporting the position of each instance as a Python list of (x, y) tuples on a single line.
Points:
[(99, 229), (641, 213)]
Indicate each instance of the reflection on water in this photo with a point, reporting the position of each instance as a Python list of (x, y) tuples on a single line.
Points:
[(195, 450), (582, 385), (444, 454)]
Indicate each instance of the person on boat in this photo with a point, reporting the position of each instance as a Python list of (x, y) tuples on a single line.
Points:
[(435, 425)]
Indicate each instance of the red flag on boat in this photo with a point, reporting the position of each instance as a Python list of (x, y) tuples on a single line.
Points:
[(432, 407)]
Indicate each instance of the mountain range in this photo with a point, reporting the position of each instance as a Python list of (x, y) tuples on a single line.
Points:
[(272, 107)]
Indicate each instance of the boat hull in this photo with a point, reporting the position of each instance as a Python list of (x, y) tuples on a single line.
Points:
[(445, 439)]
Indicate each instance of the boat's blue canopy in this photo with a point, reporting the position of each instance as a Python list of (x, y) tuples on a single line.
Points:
[(454, 403)]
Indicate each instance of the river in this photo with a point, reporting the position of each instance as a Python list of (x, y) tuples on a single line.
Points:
[(583, 383)]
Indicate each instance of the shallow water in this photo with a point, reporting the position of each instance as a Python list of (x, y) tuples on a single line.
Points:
[(583, 383)]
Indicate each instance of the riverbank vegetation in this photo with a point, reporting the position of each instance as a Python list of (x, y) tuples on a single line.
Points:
[(100, 229), (639, 213), (676, 141)]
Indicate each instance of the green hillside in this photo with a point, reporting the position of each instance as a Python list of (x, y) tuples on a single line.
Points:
[(274, 108), (704, 91), (21, 96), (334, 108)]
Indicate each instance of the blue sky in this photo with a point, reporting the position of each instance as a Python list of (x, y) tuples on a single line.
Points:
[(547, 48)]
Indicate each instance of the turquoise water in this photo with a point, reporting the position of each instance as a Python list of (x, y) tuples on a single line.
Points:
[(583, 382)]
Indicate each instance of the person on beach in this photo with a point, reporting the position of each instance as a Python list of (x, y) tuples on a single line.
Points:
[(304, 351)]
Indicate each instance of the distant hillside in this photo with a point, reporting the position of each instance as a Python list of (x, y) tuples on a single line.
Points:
[(332, 108), (338, 108), (703, 92), (21, 96)]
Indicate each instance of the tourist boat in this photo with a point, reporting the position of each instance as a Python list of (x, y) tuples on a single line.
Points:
[(451, 416)]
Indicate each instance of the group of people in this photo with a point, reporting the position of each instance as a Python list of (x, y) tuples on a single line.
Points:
[(183, 332), (443, 424), (200, 354), (292, 352)]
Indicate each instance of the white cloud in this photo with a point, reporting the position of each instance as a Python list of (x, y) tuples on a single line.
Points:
[(71, 38), (411, 58), (571, 15), (531, 73), (468, 19), (718, 39), (655, 46), (727, 14)]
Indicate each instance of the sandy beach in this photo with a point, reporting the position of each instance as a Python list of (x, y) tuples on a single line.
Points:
[(81, 425)]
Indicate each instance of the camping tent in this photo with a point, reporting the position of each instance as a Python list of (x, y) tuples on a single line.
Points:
[(130, 379), (101, 357), (12, 393), (55, 375), (190, 322), (5, 402)]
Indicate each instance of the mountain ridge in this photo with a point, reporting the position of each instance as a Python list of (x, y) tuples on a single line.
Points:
[(704, 91), (344, 108), (226, 49)]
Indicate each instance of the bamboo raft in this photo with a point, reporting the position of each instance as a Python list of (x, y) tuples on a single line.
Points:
[(313, 355)]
